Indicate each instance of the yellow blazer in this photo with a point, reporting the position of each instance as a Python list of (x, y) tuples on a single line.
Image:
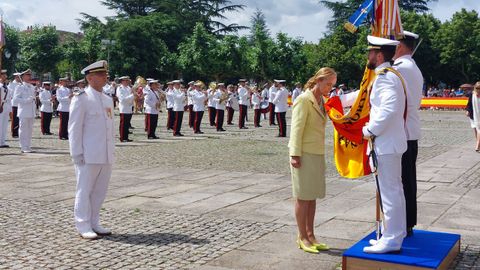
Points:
[(307, 134)]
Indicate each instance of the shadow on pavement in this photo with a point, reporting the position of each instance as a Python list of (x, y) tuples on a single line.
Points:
[(159, 239)]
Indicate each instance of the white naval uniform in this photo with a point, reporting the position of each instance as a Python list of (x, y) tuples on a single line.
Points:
[(211, 94), (232, 101), (45, 97), (216, 100), (198, 99), (150, 102), (281, 100), (256, 100), (12, 86), (414, 82), (386, 123), (25, 98), (108, 90), (125, 99), (91, 138), (243, 96), (63, 97), (178, 100), (271, 93), (169, 97), (6, 98), (265, 94), (295, 93)]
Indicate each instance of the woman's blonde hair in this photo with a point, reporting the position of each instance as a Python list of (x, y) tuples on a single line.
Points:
[(322, 74), (476, 88)]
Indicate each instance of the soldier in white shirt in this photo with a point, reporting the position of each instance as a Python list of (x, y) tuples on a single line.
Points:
[(126, 97), (271, 95), (243, 94), (64, 97), (212, 113), (179, 100), (151, 105), (46, 108), (220, 100), (386, 128), (25, 98), (109, 90), (256, 101), (281, 105), (296, 92), (15, 121), (413, 77), (169, 96), (5, 108), (232, 103), (199, 97), (191, 114), (265, 105), (92, 134)]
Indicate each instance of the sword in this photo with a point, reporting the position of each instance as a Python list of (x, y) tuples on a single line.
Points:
[(378, 205), (416, 48)]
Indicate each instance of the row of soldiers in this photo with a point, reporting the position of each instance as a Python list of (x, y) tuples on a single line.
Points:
[(219, 100)]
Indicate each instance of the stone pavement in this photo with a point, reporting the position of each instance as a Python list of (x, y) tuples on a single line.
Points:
[(213, 218)]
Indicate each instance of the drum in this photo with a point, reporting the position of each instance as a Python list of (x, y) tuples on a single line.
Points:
[(264, 106)]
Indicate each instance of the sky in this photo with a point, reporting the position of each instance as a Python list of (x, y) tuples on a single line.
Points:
[(298, 18)]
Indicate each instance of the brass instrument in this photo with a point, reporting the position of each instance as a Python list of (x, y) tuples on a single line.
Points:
[(223, 97), (139, 82)]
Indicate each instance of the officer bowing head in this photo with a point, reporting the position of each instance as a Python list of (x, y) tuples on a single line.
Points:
[(97, 74), (380, 50)]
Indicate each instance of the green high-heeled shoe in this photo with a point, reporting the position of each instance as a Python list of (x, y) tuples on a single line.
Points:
[(303, 247)]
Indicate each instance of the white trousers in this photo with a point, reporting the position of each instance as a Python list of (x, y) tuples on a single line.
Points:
[(92, 184), (4, 117), (393, 200), (25, 131)]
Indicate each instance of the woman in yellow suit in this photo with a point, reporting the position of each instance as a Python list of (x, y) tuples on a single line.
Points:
[(307, 155)]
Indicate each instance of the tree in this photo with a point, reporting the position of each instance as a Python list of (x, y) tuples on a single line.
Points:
[(289, 58), (262, 47), (12, 46), (39, 49), (457, 40)]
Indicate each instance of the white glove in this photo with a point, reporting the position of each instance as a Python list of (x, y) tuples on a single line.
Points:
[(78, 160)]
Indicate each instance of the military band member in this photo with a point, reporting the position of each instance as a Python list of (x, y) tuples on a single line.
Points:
[(179, 100), (281, 105), (220, 99), (386, 128), (296, 92), (109, 90), (191, 114), (256, 101), (169, 96), (5, 108), (211, 104), (46, 109), (79, 85), (126, 97), (199, 97), (64, 97), (151, 103), (243, 94), (413, 77), (91, 132), (271, 95), (264, 96), (15, 121), (25, 98), (232, 103)]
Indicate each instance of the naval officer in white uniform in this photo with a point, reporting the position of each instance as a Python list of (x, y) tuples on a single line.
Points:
[(387, 129), (405, 64), (25, 98), (91, 138)]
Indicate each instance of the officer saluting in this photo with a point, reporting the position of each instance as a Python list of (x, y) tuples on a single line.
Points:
[(387, 129), (405, 64), (91, 138)]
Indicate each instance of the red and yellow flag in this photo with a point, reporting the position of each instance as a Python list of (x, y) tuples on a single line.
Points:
[(350, 150)]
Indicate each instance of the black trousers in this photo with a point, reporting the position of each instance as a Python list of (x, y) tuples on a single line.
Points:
[(191, 116), (198, 121), (152, 121), (242, 116), (177, 127), (220, 119), (63, 129), (15, 122), (409, 181), (282, 124), (256, 117), (230, 113), (46, 119), (212, 113), (125, 119), (272, 114), (170, 118)]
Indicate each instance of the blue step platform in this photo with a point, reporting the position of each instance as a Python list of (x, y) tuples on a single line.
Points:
[(424, 250)]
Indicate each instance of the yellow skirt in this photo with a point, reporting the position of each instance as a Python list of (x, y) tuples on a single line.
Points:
[(308, 181)]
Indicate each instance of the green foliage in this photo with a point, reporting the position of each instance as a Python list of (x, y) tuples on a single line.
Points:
[(12, 46)]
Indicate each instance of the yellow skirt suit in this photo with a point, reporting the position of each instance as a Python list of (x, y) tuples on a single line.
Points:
[(307, 140)]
